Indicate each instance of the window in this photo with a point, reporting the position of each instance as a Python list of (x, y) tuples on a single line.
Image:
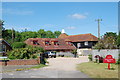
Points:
[(4, 48), (78, 45), (35, 42), (86, 43), (47, 43), (56, 43), (69, 43)]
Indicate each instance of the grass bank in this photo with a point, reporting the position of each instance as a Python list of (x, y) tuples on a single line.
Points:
[(34, 67), (95, 70)]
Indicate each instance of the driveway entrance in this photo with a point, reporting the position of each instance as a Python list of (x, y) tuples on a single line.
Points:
[(60, 67)]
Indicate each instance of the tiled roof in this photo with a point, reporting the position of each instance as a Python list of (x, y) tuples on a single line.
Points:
[(82, 37), (63, 35), (62, 44), (62, 41)]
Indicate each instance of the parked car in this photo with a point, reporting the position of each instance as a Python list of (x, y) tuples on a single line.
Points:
[(50, 54)]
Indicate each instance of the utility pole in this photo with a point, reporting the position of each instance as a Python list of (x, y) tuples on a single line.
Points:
[(98, 20)]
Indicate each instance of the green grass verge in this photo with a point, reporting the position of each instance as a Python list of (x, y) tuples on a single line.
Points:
[(4, 59), (34, 67), (95, 70)]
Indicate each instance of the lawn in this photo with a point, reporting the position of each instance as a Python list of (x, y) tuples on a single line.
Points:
[(34, 67), (95, 70)]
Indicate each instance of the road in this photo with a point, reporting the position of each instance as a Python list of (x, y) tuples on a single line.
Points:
[(60, 67)]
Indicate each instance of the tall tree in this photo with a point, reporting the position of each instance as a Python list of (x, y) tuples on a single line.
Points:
[(108, 41), (1, 27), (50, 34), (41, 33), (118, 40), (57, 33)]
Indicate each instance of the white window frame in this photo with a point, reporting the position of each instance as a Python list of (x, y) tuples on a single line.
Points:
[(78, 45), (86, 43)]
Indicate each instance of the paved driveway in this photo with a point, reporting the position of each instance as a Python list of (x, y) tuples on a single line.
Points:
[(59, 67)]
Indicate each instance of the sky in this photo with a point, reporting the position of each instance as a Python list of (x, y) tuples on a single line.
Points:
[(74, 17)]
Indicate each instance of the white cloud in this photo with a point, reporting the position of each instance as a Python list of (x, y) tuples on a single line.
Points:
[(71, 27), (17, 12), (78, 16)]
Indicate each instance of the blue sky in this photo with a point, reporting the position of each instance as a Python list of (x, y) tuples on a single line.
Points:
[(74, 17)]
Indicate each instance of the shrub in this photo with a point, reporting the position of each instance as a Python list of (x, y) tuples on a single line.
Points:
[(118, 62), (25, 53), (74, 52), (18, 45), (90, 57)]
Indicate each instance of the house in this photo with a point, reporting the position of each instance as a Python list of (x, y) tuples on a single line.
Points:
[(80, 41), (64, 42), (51, 44), (4, 47)]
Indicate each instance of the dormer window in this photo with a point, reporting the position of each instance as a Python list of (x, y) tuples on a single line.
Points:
[(35, 42), (56, 43), (69, 43), (47, 43)]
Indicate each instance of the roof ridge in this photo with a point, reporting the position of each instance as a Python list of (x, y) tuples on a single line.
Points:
[(81, 34)]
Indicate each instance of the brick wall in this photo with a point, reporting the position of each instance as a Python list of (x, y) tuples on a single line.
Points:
[(22, 62)]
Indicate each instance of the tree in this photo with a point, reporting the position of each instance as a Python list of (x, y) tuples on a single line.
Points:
[(108, 34), (1, 27), (108, 41), (28, 34), (25, 53), (50, 34), (57, 33), (7, 35), (1, 24), (41, 33), (18, 45), (118, 40), (75, 52)]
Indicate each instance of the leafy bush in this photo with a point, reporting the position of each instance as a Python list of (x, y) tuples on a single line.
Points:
[(74, 52), (25, 53), (90, 57), (18, 45), (118, 62)]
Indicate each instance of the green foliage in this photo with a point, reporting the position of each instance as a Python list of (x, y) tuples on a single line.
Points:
[(57, 33), (34, 67), (50, 34), (108, 41), (90, 57), (41, 33), (118, 61), (74, 51), (25, 53), (22, 36), (28, 34), (18, 45), (118, 40)]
